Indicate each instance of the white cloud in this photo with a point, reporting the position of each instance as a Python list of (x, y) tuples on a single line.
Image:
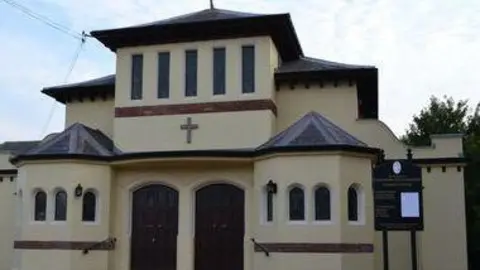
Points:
[(421, 47)]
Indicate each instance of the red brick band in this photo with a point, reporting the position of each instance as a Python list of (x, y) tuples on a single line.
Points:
[(315, 248), (64, 245), (194, 108)]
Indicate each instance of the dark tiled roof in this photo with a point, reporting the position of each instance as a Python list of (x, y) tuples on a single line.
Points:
[(313, 130), (308, 64), (203, 16), (102, 81), (18, 147), (77, 139), (100, 86)]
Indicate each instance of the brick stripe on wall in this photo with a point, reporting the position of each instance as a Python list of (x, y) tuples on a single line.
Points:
[(194, 108), (63, 245), (316, 248)]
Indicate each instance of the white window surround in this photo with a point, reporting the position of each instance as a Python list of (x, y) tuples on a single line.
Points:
[(32, 207), (312, 209), (263, 208), (53, 207), (305, 210), (360, 205), (97, 208)]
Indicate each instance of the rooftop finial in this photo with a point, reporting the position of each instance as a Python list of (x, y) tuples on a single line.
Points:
[(211, 4)]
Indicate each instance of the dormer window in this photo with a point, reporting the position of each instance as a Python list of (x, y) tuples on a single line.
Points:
[(137, 77), (191, 73), (248, 69)]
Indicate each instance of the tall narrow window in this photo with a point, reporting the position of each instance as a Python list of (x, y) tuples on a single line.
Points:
[(89, 206), (352, 204), (191, 73), (219, 66), (322, 204), (60, 206), (137, 77), (296, 204), (248, 69), (269, 206), (163, 75), (40, 206)]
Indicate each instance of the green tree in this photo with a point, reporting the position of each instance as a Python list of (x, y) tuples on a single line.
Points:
[(448, 116)]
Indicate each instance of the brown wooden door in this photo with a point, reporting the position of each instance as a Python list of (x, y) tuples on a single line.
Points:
[(219, 228), (154, 228)]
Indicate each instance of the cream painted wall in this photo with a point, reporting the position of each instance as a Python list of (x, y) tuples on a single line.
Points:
[(4, 162), (7, 218), (264, 89), (96, 114), (185, 178), (216, 131), (309, 171), (67, 175)]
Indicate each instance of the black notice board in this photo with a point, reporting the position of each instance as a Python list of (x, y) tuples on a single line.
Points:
[(398, 196)]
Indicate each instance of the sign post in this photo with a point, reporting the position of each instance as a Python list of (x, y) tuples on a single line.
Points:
[(398, 200)]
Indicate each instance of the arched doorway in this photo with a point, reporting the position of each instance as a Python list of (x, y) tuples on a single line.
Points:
[(154, 228), (219, 227)]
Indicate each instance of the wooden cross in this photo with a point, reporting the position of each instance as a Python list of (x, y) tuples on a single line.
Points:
[(189, 127)]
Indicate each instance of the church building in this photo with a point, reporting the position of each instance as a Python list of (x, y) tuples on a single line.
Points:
[(219, 145)]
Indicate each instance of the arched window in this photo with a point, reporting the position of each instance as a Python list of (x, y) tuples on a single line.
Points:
[(322, 203), (353, 203), (40, 206), (89, 206), (296, 204), (60, 206)]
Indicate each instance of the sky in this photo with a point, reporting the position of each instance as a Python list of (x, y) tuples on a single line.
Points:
[(421, 48)]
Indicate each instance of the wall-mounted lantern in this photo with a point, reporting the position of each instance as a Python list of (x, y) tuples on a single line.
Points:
[(271, 187), (78, 191)]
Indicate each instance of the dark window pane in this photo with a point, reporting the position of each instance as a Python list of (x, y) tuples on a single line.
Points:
[(40, 206), (61, 206), (137, 77), (352, 204), (89, 206), (322, 203), (269, 206), (164, 75), (297, 204), (219, 66), (248, 69), (191, 73)]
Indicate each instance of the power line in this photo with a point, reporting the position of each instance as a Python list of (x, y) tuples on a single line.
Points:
[(73, 62), (45, 20)]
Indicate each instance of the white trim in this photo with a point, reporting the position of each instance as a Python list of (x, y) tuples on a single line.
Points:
[(53, 198), (96, 220), (32, 206), (360, 205), (313, 207), (305, 206)]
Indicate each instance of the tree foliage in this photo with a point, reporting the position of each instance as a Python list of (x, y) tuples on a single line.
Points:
[(448, 116)]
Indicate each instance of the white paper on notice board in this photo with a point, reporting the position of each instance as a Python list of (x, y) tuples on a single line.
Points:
[(410, 204)]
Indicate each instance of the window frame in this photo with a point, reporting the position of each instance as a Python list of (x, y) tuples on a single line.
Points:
[(96, 219), (360, 204), (35, 192), (244, 69), (314, 204), (136, 95), (161, 92), (264, 215), (193, 92), (54, 204), (219, 72), (305, 205)]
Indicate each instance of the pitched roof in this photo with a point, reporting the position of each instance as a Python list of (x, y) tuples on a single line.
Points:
[(208, 24), (99, 86), (312, 130), (306, 64), (77, 139), (17, 147), (202, 16)]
